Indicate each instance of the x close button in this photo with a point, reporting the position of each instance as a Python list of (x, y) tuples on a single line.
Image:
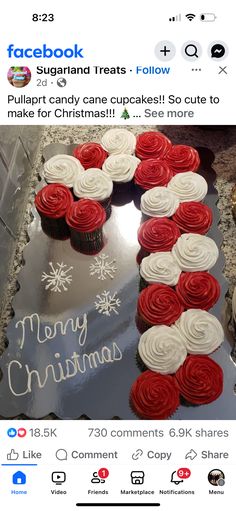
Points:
[(222, 70)]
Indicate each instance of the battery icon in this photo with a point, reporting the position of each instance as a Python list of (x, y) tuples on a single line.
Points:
[(207, 16)]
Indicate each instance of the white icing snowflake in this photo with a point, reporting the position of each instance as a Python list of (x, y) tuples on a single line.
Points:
[(107, 303), (58, 279), (103, 268)]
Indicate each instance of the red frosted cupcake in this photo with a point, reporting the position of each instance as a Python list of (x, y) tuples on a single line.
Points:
[(183, 158), (90, 155), (154, 396), (52, 204), (158, 304), (151, 173), (85, 219), (198, 290), (193, 217), (157, 235), (200, 380), (152, 144)]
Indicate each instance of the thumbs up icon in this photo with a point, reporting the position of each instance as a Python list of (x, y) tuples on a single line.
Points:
[(13, 455)]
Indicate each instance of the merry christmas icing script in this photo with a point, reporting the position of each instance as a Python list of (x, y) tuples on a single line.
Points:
[(32, 329)]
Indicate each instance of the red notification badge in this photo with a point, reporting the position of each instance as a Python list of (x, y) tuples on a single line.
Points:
[(183, 473), (103, 473)]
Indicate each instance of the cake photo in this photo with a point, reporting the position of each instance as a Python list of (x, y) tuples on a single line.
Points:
[(120, 307)]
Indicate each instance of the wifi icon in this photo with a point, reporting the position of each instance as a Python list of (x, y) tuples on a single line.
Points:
[(190, 17)]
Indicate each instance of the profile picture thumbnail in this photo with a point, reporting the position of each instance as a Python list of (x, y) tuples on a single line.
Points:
[(19, 76), (216, 477)]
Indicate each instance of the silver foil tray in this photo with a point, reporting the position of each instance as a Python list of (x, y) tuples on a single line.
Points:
[(73, 339)]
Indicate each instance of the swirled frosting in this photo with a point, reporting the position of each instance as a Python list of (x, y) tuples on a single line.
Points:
[(194, 252), (152, 144), (86, 216), (200, 379), (193, 217), (119, 141), (183, 158), (121, 167), (63, 169), (152, 172), (158, 304), (198, 290), (158, 235), (162, 349), (188, 186), (159, 202), (201, 331), (93, 184), (161, 268), (154, 396), (53, 200), (91, 155)]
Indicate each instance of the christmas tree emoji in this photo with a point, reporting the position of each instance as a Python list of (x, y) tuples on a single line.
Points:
[(125, 114)]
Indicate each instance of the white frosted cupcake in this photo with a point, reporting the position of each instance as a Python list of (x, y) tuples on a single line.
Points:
[(195, 252), (188, 186), (162, 349), (119, 141), (161, 268), (121, 169), (63, 169), (97, 185), (159, 202), (201, 331)]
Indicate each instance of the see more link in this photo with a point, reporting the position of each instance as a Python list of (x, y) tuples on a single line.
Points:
[(45, 52)]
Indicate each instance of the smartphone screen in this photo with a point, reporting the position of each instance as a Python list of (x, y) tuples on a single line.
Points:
[(118, 266)]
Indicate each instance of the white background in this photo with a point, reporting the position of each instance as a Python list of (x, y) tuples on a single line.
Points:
[(124, 34)]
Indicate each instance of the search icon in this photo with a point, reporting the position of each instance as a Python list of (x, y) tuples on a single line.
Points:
[(191, 50)]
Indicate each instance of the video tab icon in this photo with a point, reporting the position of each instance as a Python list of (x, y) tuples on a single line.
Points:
[(58, 477)]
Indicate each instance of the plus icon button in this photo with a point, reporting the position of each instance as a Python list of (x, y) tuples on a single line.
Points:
[(165, 51)]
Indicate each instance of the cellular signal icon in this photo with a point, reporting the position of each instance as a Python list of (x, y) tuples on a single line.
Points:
[(175, 18)]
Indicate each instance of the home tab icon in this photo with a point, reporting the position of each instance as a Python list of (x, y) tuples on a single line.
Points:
[(19, 478)]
